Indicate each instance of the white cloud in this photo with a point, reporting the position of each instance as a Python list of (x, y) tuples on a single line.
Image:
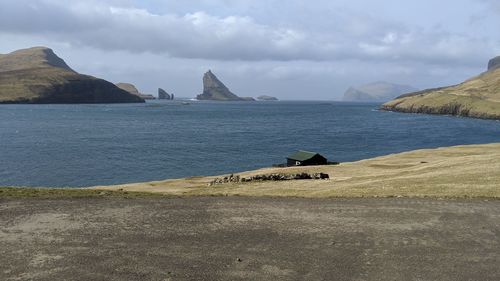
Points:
[(116, 25)]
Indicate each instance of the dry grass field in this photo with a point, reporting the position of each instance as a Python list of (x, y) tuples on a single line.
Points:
[(453, 172), (477, 97)]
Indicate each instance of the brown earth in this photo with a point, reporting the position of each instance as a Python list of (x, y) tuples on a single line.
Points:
[(245, 238)]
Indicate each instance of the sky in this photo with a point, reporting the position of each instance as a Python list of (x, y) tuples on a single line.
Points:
[(304, 50)]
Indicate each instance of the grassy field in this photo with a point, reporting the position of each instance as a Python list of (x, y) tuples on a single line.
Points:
[(15, 192), (454, 172)]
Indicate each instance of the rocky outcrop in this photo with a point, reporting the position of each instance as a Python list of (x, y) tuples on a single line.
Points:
[(266, 98), (133, 90), (494, 63), (269, 177), (214, 89), (376, 92), (478, 97), (38, 75), (163, 95)]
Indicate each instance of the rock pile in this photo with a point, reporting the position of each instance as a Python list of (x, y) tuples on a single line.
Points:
[(270, 177)]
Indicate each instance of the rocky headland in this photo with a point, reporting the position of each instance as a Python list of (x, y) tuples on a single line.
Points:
[(478, 97), (215, 90), (133, 90), (38, 75), (376, 92)]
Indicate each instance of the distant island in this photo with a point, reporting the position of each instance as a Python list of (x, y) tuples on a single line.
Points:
[(163, 95), (215, 90), (133, 90), (376, 92), (266, 98), (38, 75), (478, 97)]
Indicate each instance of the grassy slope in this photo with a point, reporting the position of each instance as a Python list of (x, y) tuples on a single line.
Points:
[(477, 97), (37, 75), (461, 171)]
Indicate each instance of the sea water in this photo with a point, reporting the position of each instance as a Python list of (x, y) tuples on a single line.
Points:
[(86, 145)]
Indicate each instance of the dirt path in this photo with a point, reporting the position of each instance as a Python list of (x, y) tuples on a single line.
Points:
[(244, 238)]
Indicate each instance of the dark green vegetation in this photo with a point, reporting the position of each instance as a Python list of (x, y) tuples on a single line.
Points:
[(37, 75), (376, 92), (478, 97), (14, 192), (244, 238), (214, 89)]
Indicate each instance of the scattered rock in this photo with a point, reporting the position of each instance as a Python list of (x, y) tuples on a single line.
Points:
[(269, 177)]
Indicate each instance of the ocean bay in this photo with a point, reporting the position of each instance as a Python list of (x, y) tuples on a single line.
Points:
[(87, 145)]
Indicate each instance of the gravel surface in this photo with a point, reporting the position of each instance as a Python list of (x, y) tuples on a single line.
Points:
[(241, 238)]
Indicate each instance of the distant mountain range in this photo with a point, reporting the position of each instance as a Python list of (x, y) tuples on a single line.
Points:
[(477, 97), (376, 92), (38, 75)]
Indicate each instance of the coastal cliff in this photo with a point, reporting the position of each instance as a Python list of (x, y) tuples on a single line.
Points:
[(38, 75), (478, 97), (214, 89)]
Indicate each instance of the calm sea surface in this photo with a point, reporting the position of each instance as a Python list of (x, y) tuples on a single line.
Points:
[(85, 145)]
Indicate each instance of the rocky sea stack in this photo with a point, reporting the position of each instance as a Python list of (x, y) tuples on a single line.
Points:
[(478, 97), (214, 89), (376, 92), (133, 90), (38, 75), (163, 95)]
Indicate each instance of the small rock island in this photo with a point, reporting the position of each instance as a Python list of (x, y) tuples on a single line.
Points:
[(38, 75), (163, 95), (215, 90), (478, 97), (266, 98)]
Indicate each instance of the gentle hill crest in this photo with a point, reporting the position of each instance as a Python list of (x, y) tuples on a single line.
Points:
[(35, 57)]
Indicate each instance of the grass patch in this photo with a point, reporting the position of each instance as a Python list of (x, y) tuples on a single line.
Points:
[(25, 192)]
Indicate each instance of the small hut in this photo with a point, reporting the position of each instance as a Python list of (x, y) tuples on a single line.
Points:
[(305, 158)]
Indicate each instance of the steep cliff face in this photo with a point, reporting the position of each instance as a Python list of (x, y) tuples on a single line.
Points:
[(478, 97), (494, 63), (376, 92), (37, 75), (214, 89)]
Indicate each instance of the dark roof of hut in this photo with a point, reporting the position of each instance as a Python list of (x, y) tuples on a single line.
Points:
[(302, 155)]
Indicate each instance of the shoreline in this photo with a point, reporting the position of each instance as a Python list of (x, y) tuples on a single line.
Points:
[(464, 171)]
